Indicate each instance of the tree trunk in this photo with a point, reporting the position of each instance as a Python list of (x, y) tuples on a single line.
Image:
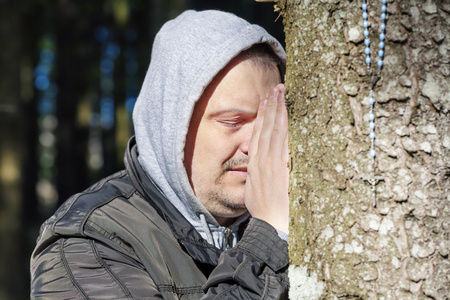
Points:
[(341, 246), (16, 147)]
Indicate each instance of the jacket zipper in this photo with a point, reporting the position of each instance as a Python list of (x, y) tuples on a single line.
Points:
[(228, 237)]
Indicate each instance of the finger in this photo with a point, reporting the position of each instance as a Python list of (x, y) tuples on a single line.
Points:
[(281, 87), (253, 145), (268, 123), (280, 129), (285, 153)]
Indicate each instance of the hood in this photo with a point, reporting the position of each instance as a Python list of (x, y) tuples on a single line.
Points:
[(187, 53)]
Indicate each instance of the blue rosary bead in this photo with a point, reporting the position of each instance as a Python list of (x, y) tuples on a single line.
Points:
[(381, 45)]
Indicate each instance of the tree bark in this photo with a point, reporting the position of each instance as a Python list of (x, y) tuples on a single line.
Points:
[(341, 246)]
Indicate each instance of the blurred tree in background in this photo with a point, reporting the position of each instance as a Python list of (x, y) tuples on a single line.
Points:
[(70, 72)]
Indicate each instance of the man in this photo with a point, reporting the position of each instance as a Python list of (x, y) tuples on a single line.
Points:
[(201, 210)]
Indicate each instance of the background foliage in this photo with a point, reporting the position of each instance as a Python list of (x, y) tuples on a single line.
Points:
[(70, 71)]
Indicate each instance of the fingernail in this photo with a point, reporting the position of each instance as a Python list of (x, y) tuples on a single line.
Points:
[(273, 93), (280, 97)]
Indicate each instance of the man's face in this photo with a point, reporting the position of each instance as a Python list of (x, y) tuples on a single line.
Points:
[(216, 151)]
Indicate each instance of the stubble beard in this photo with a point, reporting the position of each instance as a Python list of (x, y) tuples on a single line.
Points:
[(222, 202), (222, 199)]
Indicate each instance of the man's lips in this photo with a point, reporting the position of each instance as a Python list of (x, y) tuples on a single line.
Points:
[(241, 171)]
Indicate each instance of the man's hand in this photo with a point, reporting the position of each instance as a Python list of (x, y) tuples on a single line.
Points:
[(266, 188)]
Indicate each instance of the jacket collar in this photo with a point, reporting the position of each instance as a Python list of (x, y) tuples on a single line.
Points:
[(183, 231)]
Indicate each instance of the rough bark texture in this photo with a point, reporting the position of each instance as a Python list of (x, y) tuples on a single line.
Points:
[(340, 245)]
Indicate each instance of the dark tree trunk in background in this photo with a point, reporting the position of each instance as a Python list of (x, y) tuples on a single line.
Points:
[(17, 150), (340, 245), (71, 60)]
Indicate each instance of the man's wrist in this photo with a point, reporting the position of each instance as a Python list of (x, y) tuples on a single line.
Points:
[(261, 240)]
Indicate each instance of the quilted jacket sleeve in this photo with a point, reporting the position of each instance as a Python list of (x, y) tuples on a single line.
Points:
[(78, 268), (256, 268)]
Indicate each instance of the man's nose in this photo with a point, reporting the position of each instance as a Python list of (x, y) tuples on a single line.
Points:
[(244, 146), (246, 136)]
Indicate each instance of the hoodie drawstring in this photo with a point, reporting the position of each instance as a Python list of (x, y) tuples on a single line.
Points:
[(209, 237)]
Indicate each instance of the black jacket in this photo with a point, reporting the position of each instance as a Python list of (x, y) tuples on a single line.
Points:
[(122, 239)]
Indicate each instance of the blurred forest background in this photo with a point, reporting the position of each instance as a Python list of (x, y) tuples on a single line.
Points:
[(70, 72)]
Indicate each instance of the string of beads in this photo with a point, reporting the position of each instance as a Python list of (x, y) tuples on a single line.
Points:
[(368, 61)]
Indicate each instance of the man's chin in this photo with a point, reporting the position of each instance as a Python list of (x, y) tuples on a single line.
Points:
[(226, 201), (233, 207), (237, 208), (228, 218)]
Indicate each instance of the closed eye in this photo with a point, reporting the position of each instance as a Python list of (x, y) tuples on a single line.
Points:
[(233, 118), (232, 124)]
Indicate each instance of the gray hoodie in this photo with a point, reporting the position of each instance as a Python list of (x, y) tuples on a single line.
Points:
[(187, 53)]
